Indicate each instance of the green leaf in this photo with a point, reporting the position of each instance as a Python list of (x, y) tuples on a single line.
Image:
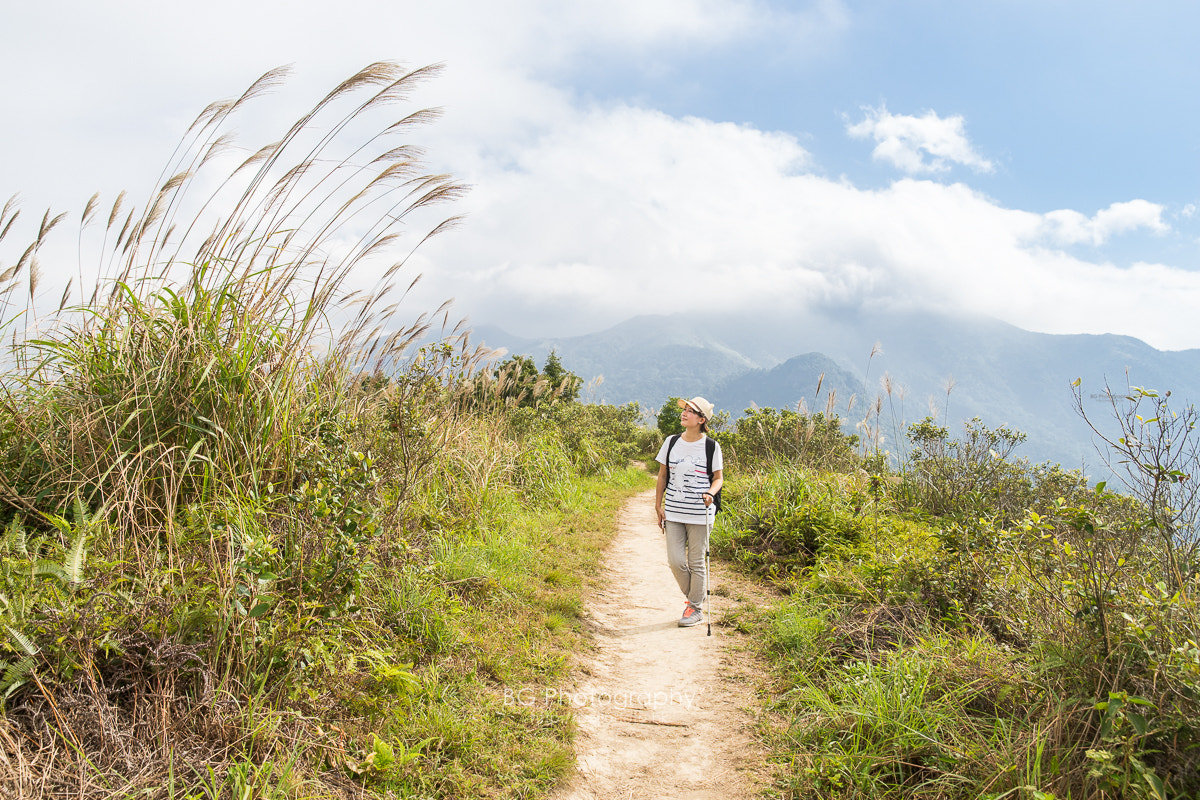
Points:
[(1156, 784), (44, 569), (384, 754), (260, 609), (16, 538), (409, 754), (16, 674), (73, 564), (22, 641)]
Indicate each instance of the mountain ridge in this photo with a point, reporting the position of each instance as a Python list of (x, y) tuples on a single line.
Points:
[(948, 366)]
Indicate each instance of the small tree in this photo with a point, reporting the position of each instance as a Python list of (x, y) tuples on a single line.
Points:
[(668, 417), (564, 384), (516, 382), (1156, 455), (669, 422)]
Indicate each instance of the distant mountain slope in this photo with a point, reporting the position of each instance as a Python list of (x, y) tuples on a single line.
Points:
[(812, 378), (1005, 375), (646, 359)]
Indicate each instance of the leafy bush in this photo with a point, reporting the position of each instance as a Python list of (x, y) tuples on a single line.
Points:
[(1155, 453), (668, 419), (765, 436), (780, 521), (36, 572), (975, 475), (596, 437), (1064, 581)]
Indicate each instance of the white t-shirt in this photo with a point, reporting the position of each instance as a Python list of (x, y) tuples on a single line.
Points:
[(688, 470)]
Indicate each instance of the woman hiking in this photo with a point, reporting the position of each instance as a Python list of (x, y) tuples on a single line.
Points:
[(684, 499)]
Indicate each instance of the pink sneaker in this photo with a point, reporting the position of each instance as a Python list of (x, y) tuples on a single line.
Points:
[(691, 616)]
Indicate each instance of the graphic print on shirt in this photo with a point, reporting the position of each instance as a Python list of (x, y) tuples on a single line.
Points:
[(684, 500), (693, 479)]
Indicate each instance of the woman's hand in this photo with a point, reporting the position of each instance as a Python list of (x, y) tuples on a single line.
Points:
[(662, 517), (708, 499)]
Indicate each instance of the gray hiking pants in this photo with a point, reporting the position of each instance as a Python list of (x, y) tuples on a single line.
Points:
[(685, 555)]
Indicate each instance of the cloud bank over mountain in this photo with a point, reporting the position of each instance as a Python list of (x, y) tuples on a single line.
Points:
[(622, 211), (629, 158)]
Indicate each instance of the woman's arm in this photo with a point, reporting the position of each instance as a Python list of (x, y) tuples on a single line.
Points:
[(659, 489)]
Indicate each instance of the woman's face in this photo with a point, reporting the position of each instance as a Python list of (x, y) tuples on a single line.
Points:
[(689, 417)]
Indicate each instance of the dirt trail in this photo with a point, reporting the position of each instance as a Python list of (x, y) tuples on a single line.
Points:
[(664, 711)]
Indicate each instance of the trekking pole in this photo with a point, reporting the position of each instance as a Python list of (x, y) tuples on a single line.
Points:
[(707, 571)]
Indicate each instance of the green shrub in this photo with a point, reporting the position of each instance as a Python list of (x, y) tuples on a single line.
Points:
[(975, 475), (779, 521), (1092, 685), (668, 419), (596, 437), (1155, 453), (762, 437)]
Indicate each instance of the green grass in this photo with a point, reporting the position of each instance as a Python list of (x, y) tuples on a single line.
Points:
[(441, 684), (517, 631), (256, 541), (919, 655)]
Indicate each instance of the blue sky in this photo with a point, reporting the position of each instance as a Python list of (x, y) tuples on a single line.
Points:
[(1034, 161)]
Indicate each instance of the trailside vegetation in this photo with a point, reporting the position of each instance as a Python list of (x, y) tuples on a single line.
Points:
[(265, 535), (262, 534), (962, 623), (517, 381)]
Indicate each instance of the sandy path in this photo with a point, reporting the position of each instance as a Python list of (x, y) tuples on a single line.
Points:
[(664, 711)]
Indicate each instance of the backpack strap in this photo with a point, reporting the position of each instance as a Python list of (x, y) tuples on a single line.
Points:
[(710, 452), (670, 446)]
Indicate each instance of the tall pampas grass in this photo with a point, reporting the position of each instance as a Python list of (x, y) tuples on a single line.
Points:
[(224, 324)]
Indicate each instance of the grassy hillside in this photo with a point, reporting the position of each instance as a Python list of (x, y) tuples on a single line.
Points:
[(238, 562), (972, 625)]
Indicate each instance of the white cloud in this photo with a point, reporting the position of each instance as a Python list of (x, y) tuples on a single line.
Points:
[(108, 88), (1071, 227), (582, 215), (612, 211), (625, 211), (906, 141)]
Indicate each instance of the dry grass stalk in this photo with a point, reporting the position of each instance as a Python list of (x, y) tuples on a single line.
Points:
[(221, 335)]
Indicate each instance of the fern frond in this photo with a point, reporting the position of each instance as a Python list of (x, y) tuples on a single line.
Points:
[(73, 563), (22, 641), (42, 568), (15, 541), (17, 674)]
